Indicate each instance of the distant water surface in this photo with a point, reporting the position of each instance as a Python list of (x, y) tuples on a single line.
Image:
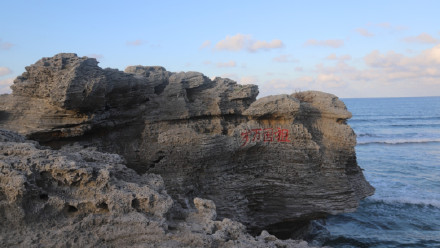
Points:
[(398, 146)]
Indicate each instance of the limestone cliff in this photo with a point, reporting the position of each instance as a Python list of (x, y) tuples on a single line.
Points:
[(79, 197), (269, 163)]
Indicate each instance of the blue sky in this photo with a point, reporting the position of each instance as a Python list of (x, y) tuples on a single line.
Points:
[(348, 48)]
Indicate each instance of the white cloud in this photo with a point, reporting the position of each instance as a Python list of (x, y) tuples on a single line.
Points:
[(364, 32), (95, 55), (383, 74), (5, 45), (388, 26), (6, 82), (329, 43), (345, 57), (230, 63), (232, 76), (240, 42), (4, 85), (328, 77), (5, 71), (135, 43), (378, 60), (332, 57), (340, 58), (233, 43), (205, 44), (422, 38), (392, 74), (264, 45), (428, 60), (284, 58), (384, 25), (248, 80), (285, 86), (299, 69)]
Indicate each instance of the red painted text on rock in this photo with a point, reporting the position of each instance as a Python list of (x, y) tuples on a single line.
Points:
[(266, 135)]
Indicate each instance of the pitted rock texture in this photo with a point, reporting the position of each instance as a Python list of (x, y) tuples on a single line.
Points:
[(78, 197), (266, 163)]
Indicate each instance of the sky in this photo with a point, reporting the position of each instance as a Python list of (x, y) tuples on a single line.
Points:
[(347, 48)]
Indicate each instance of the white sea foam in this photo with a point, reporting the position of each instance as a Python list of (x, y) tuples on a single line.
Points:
[(397, 141), (409, 200)]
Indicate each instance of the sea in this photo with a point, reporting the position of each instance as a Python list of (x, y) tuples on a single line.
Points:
[(398, 148)]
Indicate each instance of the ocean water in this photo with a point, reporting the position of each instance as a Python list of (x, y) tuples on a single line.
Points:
[(398, 146)]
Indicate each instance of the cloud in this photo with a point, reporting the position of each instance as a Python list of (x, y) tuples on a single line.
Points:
[(240, 42), (135, 43), (264, 45), (391, 73), (248, 80), (422, 38), (285, 86), (388, 26), (428, 59), (230, 63), (5, 45), (364, 32), (205, 44), (329, 43), (5, 84), (377, 60), (5, 71), (299, 69), (382, 74), (233, 43), (340, 58), (345, 57), (241, 80), (332, 57), (330, 80), (284, 58), (95, 55), (232, 76), (384, 25)]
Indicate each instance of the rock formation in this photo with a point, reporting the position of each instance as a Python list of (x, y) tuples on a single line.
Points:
[(273, 163), (79, 197)]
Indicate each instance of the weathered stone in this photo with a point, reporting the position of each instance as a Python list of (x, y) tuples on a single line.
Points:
[(274, 107), (266, 163), (78, 197)]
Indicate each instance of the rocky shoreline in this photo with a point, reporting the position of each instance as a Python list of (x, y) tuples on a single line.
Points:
[(79, 197), (269, 164)]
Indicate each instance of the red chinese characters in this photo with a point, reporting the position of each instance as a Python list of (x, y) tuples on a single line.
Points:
[(265, 135)]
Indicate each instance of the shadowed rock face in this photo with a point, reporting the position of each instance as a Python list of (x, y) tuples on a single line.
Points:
[(266, 162)]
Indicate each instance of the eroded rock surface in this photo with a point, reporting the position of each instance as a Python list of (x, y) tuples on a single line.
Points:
[(269, 163), (79, 197)]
